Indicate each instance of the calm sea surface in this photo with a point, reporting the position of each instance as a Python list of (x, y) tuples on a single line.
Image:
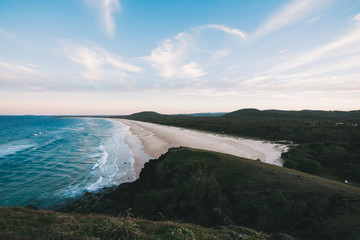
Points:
[(45, 161)]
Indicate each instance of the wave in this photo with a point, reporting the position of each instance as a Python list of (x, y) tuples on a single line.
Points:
[(102, 161), (96, 185), (12, 148), (98, 157)]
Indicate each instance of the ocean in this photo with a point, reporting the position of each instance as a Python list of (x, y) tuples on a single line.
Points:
[(46, 161)]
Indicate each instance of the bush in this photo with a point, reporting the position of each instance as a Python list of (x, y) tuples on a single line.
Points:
[(290, 164), (333, 156), (309, 166)]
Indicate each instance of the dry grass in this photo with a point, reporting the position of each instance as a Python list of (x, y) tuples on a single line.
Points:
[(22, 223)]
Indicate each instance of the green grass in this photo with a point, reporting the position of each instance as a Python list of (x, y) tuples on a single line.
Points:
[(22, 223)]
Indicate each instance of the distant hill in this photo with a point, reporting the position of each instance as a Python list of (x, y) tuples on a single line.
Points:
[(151, 114), (254, 113), (146, 114), (215, 114), (213, 189), (303, 114)]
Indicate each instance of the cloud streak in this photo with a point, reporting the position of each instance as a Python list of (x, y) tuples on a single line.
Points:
[(99, 64), (232, 31), (291, 13), (22, 76), (106, 10), (20, 68), (344, 45)]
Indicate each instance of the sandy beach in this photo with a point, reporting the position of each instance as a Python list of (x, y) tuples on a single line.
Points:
[(148, 141)]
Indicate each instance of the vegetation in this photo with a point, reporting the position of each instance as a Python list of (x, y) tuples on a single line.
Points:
[(213, 189), (327, 142), (22, 223)]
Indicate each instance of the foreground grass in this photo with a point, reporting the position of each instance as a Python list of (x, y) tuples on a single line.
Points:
[(23, 223)]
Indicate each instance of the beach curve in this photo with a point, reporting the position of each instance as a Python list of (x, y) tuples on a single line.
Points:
[(148, 141)]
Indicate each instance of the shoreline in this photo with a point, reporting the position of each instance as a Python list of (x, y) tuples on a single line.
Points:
[(149, 141)]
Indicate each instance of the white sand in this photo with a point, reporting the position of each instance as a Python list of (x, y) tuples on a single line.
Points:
[(157, 139)]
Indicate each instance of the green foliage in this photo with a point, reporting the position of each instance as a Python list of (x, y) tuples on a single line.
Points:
[(291, 164), (309, 166), (325, 159), (333, 156)]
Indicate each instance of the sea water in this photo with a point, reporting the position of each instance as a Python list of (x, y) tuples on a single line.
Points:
[(45, 161)]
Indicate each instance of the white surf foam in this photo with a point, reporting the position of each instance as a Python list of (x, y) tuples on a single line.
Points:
[(14, 147), (113, 161), (102, 161)]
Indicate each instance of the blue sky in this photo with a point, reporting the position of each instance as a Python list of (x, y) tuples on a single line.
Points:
[(181, 56)]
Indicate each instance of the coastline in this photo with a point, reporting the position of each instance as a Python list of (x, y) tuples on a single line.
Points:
[(148, 141)]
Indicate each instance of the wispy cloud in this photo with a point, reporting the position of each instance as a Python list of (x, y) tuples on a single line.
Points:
[(192, 70), (171, 58), (357, 17), (106, 10), (344, 45), (225, 29), (329, 68), (19, 76), (185, 55), (99, 64), (20, 68), (291, 13), (302, 83)]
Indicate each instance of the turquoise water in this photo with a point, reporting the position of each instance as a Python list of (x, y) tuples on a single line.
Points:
[(45, 161)]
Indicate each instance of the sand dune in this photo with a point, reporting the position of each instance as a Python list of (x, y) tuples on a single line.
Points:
[(156, 139)]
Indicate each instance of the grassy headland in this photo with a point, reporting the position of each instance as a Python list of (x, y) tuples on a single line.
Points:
[(213, 189)]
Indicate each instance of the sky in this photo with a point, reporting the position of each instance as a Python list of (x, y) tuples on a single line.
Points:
[(181, 56)]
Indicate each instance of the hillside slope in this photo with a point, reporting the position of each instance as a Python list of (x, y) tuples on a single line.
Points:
[(214, 189), (22, 223)]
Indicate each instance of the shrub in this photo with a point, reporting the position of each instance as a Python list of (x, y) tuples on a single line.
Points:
[(291, 164), (309, 166)]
